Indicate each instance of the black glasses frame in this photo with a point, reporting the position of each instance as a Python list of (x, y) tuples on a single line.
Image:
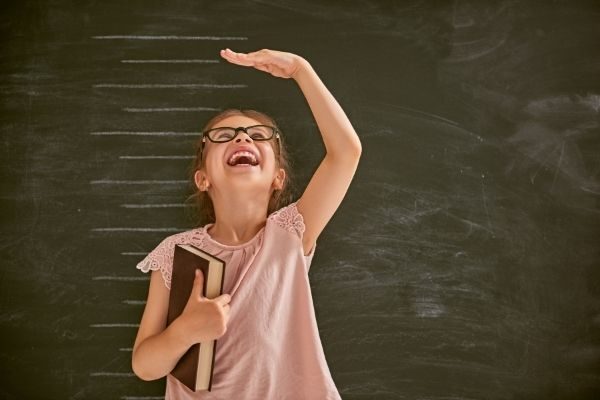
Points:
[(237, 130)]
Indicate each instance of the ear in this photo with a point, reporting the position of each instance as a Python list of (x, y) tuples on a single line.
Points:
[(279, 179), (200, 179)]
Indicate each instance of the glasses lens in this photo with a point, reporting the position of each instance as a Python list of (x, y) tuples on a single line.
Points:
[(260, 132), (221, 134)]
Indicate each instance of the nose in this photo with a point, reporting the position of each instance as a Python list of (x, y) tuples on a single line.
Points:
[(243, 136)]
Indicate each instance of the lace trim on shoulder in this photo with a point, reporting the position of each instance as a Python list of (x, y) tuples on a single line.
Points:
[(290, 219), (161, 258)]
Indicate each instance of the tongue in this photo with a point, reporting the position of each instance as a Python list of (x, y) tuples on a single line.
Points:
[(243, 161)]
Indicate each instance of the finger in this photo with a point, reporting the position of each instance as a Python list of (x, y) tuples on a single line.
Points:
[(266, 60), (230, 56), (237, 58), (249, 59), (223, 299), (199, 283)]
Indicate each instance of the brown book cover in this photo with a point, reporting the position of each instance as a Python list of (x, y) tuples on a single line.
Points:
[(195, 368)]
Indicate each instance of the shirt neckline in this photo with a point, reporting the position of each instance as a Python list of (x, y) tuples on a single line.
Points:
[(231, 247)]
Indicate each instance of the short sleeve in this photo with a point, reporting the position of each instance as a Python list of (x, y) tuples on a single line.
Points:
[(290, 219), (161, 258)]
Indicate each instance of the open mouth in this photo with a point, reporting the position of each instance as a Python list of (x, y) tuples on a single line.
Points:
[(243, 159)]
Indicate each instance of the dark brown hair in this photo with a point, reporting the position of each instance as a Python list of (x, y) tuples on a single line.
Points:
[(201, 204)]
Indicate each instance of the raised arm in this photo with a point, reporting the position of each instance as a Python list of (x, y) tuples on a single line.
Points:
[(331, 180)]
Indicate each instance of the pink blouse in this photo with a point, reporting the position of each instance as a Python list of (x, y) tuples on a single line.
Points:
[(272, 348)]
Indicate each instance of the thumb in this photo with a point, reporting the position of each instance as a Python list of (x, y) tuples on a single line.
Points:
[(199, 283)]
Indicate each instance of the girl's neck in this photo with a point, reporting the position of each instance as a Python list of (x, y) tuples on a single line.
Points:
[(236, 225)]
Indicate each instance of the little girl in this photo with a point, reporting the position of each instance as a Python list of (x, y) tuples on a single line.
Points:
[(268, 343)]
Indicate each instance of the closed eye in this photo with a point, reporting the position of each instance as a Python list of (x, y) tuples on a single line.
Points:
[(222, 134)]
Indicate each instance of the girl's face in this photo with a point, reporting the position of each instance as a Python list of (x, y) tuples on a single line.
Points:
[(263, 176)]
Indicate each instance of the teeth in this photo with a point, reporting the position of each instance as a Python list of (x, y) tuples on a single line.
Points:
[(239, 154)]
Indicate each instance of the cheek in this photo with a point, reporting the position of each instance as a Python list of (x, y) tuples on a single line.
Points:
[(271, 154), (213, 155)]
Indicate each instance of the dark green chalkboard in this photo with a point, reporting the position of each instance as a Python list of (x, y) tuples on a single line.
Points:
[(464, 262)]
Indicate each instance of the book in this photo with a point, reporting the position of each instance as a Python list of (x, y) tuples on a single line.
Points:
[(195, 368)]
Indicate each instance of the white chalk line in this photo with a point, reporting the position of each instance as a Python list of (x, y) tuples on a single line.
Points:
[(115, 325), (169, 86), (177, 205), (134, 253), (129, 349), (167, 37), (132, 133), (120, 278), (137, 182), (191, 61), (138, 230), (134, 302), (156, 157), (170, 109)]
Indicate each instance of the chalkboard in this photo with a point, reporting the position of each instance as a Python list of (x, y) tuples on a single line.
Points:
[(464, 262)]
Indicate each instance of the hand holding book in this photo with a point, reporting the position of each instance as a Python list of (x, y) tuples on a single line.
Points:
[(204, 319), (200, 309)]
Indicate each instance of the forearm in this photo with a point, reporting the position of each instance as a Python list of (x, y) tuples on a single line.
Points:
[(338, 134), (157, 355)]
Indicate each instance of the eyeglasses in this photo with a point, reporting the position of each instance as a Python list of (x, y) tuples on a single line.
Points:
[(227, 134)]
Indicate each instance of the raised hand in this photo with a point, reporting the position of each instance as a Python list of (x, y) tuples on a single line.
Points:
[(203, 318), (277, 63)]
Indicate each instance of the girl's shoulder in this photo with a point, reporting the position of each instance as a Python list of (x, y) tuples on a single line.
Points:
[(161, 257), (189, 236), (289, 219)]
